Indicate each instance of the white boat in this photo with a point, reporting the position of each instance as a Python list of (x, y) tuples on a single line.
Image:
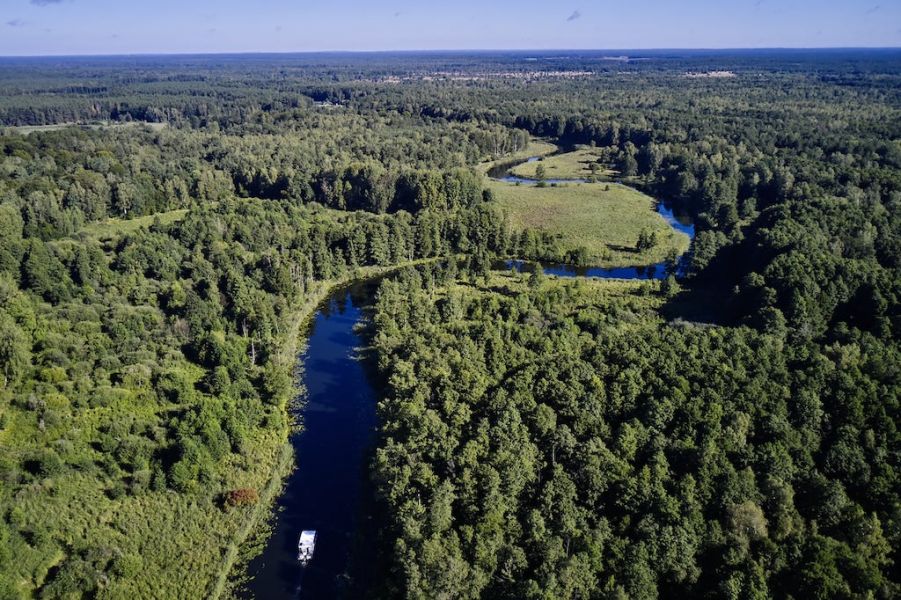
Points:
[(305, 546)]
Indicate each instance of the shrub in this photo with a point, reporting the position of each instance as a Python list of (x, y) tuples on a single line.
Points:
[(45, 463), (240, 497)]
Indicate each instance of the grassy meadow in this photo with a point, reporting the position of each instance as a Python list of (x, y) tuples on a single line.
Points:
[(29, 129), (535, 148), (606, 220), (111, 228), (614, 295), (571, 165)]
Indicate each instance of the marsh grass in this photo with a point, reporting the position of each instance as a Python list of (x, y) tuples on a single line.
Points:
[(605, 219), (111, 228), (28, 129), (535, 148), (570, 165)]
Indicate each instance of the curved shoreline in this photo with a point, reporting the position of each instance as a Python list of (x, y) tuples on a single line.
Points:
[(502, 172)]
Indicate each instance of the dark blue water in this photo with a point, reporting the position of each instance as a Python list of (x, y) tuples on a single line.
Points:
[(325, 490), (679, 222), (515, 179)]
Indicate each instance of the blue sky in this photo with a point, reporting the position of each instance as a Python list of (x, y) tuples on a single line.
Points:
[(38, 27)]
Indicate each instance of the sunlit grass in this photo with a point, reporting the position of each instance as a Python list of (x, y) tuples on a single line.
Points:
[(111, 228), (604, 218), (535, 148), (27, 129), (570, 165)]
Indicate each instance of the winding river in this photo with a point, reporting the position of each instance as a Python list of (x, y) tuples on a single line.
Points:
[(326, 491)]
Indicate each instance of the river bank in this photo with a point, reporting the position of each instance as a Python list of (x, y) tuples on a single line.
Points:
[(338, 419), (238, 553)]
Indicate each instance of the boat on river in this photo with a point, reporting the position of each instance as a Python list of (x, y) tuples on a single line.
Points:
[(305, 546)]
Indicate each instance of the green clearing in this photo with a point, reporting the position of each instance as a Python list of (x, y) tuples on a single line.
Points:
[(607, 222), (619, 296), (111, 228), (535, 148), (571, 165), (28, 129)]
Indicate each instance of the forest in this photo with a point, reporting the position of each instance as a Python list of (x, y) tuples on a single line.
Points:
[(548, 439), (168, 225)]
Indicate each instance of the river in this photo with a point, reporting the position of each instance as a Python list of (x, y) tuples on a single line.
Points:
[(326, 490)]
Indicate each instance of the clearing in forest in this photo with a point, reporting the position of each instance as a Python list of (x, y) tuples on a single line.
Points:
[(29, 129), (606, 219), (570, 165), (112, 228), (535, 148)]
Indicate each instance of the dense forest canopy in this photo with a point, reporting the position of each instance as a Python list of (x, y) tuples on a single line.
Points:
[(167, 222), (550, 440)]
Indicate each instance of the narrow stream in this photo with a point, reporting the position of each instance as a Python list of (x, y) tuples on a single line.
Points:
[(326, 490)]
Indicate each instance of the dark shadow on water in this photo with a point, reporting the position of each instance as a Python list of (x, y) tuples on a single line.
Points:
[(656, 271), (344, 338), (700, 304)]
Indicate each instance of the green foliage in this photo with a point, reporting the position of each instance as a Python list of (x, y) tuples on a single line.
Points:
[(143, 377), (15, 351), (558, 439), (647, 239), (605, 223), (539, 440)]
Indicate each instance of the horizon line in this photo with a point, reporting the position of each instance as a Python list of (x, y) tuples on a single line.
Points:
[(452, 50)]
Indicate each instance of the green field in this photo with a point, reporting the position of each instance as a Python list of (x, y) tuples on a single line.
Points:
[(535, 148), (571, 165), (27, 129), (111, 228), (606, 222)]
